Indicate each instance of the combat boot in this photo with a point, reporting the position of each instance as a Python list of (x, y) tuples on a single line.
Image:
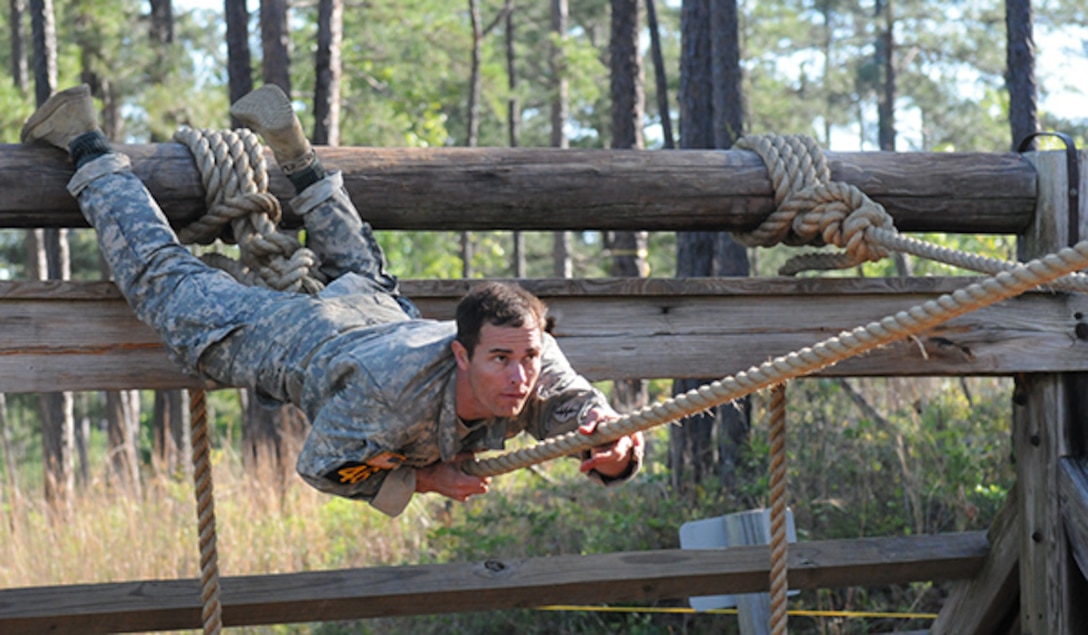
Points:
[(62, 118), (267, 111)]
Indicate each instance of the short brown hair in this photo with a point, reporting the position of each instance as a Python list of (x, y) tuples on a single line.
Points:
[(498, 304)]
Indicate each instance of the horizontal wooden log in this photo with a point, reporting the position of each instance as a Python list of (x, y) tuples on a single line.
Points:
[(83, 336), (552, 189), (491, 585)]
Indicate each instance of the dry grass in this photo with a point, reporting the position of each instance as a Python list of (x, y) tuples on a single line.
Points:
[(107, 537)]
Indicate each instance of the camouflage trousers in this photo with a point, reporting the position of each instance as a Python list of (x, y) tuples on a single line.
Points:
[(211, 324)]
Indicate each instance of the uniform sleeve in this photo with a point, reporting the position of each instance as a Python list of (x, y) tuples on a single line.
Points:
[(565, 400), (563, 396), (353, 448)]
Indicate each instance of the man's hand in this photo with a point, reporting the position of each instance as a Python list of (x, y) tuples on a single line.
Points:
[(447, 479), (610, 460)]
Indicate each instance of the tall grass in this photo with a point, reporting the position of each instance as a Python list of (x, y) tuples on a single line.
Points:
[(106, 536)]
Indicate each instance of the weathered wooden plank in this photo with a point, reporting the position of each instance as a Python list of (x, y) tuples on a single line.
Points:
[(987, 604), (1041, 423), (1073, 497), (546, 189), (491, 585), (82, 336)]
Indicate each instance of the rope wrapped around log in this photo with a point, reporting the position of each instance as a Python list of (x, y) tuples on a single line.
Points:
[(240, 209)]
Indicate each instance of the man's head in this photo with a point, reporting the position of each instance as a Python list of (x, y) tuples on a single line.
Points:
[(500, 329)]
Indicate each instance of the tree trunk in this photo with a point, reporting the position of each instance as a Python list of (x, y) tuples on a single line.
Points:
[(475, 81), (10, 473), (58, 422), (885, 53), (628, 248), (562, 263), (275, 44), (239, 62), (122, 429), (475, 94), (662, 84), (82, 438), (626, 76), (711, 116), (161, 32), (513, 125), (170, 417), (19, 73), (694, 250), (475, 87), (44, 36), (162, 23), (730, 258), (1020, 72), (330, 32), (58, 429), (727, 100), (271, 438)]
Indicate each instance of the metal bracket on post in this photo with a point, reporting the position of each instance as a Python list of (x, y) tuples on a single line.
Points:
[(1072, 171)]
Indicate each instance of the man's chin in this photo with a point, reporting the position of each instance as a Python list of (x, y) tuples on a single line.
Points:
[(509, 411)]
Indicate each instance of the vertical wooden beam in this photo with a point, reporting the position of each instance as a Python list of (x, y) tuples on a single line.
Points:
[(1073, 495), (1042, 420)]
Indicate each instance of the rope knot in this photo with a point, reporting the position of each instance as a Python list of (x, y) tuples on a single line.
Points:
[(240, 209), (812, 209)]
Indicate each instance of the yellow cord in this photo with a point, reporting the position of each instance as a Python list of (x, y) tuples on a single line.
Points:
[(681, 609)]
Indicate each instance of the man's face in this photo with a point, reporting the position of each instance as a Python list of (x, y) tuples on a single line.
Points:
[(502, 372)]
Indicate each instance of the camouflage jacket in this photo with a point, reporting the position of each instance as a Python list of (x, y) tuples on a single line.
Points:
[(381, 400), (375, 380)]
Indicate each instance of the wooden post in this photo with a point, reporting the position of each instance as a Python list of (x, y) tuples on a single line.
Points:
[(1043, 417)]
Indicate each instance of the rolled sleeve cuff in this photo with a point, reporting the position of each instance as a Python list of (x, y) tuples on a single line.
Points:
[(109, 163), (328, 187), (397, 489)]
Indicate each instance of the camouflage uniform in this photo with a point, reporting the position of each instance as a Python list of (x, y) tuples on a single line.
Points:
[(375, 380)]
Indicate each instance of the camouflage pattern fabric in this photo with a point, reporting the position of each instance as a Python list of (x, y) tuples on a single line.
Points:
[(375, 380)]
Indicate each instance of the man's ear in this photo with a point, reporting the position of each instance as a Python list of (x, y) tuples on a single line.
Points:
[(460, 354)]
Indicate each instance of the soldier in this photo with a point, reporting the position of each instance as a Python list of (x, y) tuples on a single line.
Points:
[(397, 403)]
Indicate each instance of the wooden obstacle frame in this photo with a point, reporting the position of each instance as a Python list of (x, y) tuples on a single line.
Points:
[(1026, 575)]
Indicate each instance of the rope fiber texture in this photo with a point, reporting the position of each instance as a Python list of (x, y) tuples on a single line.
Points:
[(779, 541), (239, 208), (211, 607), (810, 208)]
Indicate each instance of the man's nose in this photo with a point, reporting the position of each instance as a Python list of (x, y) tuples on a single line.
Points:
[(518, 374)]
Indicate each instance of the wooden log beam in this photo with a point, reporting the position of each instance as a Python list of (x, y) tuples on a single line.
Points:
[(491, 585), (83, 336), (552, 189)]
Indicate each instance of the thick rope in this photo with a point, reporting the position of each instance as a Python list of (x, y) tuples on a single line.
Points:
[(1075, 282), (232, 169), (904, 324), (810, 208), (211, 607), (779, 544)]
